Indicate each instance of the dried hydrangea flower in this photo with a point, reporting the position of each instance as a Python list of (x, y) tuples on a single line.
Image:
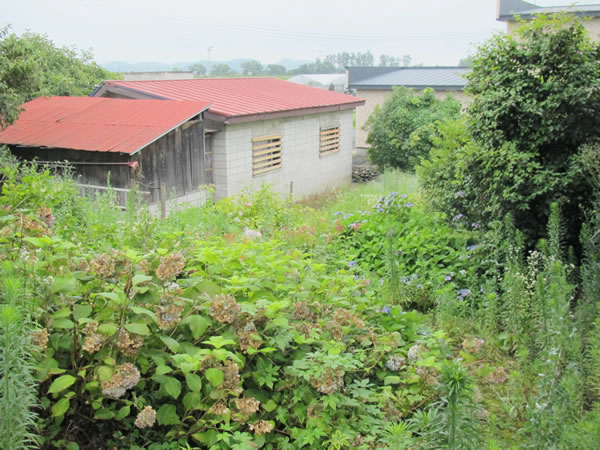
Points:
[(225, 309), (262, 427), (498, 377), (104, 266), (168, 316), (40, 339), (248, 337), (335, 329), (395, 362), (145, 418), (170, 266), (219, 409), (414, 353), (331, 382), (46, 216), (93, 341), (129, 344), (247, 405), (231, 378), (345, 318), (125, 377), (301, 311), (428, 375), (473, 345)]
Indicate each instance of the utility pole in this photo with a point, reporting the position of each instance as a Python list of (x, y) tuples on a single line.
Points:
[(209, 49)]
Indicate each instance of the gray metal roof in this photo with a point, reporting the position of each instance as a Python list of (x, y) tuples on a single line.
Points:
[(444, 78), (509, 8), (356, 74)]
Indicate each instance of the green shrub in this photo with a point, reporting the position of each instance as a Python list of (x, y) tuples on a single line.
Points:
[(401, 131)]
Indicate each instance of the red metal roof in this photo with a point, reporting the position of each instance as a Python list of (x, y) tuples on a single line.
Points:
[(234, 97), (97, 124)]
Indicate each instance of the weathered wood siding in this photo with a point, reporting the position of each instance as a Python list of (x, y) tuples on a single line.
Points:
[(177, 159)]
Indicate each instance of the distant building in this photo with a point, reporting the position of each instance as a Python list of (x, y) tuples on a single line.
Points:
[(152, 76), (375, 85), (509, 11), (322, 80), (263, 130)]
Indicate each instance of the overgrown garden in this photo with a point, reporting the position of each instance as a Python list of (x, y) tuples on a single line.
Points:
[(459, 314)]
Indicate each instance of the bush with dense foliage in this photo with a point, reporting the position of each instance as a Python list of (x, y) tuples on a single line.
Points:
[(401, 131), (32, 66), (536, 104)]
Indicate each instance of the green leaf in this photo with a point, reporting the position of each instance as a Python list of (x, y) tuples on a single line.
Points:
[(42, 242), (392, 380), (192, 400), (167, 415), (63, 324), (107, 329), (61, 383), (171, 343), (138, 328), (269, 406), (161, 370), (139, 279), (61, 407), (214, 376), (104, 414), (194, 382), (219, 341), (172, 385), (104, 373), (81, 312), (198, 325), (123, 412), (64, 285), (147, 312)]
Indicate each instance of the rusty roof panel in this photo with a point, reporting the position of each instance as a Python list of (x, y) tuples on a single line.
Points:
[(235, 97), (97, 124)]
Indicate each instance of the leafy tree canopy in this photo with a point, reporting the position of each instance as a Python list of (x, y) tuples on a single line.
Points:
[(32, 66), (199, 70), (536, 106), (222, 70), (252, 67), (401, 131)]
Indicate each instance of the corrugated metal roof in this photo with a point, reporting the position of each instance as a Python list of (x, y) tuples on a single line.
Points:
[(356, 74), (418, 77), (235, 97), (97, 124)]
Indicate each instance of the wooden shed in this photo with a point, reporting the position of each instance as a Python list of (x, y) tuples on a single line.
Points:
[(117, 141)]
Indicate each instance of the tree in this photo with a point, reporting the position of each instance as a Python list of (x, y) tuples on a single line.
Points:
[(31, 66), (17, 77), (536, 106), (401, 131), (466, 61), (275, 70), (198, 69), (222, 70), (252, 67)]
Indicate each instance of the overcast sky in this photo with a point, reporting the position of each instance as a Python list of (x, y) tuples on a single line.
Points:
[(433, 32)]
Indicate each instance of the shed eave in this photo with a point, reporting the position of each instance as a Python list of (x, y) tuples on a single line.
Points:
[(389, 87)]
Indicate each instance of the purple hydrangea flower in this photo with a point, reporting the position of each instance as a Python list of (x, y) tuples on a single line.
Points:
[(351, 263), (386, 309), (458, 217), (472, 247), (338, 213), (459, 194), (403, 196), (476, 225), (463, 293), (449, 277), (409, 204)]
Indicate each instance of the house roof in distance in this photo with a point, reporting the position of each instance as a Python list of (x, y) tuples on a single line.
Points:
[(97, 124), (240, 98), (443, 78), (508, 9)]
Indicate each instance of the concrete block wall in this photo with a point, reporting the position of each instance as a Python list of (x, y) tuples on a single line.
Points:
[(301, 162)]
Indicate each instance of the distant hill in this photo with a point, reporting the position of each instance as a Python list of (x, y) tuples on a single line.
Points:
[(155, 66)]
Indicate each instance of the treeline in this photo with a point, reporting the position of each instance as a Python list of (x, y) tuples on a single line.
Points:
[(334, 63)]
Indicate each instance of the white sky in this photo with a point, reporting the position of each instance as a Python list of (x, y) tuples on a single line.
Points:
[(433, 32)]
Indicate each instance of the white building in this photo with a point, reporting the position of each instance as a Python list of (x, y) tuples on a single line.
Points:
[(264, 130)]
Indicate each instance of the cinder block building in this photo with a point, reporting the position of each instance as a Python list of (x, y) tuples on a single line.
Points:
[(263, 130)]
